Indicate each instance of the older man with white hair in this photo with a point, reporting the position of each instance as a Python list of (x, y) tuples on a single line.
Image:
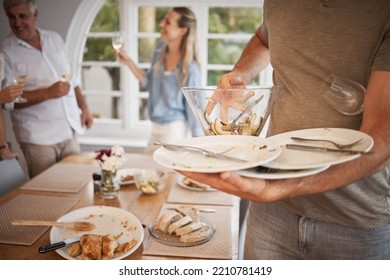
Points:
[(46, 125)]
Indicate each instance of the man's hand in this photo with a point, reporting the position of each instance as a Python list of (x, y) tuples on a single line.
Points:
[(228, 98), (86, 119), (59, 89)]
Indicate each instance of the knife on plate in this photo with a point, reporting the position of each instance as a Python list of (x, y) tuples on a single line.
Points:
[(58, 245), (205, 210), (323, 149)]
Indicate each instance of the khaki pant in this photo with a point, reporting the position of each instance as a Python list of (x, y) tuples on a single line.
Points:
[(41, 157)]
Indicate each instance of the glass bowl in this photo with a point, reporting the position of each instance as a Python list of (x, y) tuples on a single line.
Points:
[(150, 181), (232, 111)]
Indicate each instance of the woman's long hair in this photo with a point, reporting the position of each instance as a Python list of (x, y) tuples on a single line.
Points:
[(188, 47)]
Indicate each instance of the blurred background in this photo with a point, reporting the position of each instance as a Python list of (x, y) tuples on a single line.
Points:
[(115, 98)]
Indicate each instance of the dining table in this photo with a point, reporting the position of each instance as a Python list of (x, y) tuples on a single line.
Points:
[(76, 170)]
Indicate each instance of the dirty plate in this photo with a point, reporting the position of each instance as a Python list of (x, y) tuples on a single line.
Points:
[(182, 181), (108, 220), (252, 149), (126, 176), (293, 159)]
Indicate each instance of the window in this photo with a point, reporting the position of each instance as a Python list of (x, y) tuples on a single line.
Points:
[(114, 96)]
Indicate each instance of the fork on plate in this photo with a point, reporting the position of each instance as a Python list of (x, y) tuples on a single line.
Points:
[(200, 150), (338, 145)]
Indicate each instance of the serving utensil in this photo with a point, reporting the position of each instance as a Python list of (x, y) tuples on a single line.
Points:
[(338, 145), (199, 150), (83, 226)]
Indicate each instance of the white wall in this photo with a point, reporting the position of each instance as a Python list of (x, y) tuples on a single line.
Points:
[(52, 14)]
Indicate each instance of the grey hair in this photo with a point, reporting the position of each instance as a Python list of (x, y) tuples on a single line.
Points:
[(11, 3)]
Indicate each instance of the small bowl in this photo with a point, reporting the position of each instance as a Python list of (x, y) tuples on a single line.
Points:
[(150, 181), (247, 113)]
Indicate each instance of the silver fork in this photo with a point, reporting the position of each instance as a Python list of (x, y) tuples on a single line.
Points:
[(338, 145), (199, 150), (247, 108)]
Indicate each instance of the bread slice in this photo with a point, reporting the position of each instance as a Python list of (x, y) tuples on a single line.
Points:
[(197, 235), (191, 211), (165, 220), (181, 222), (188, 228)]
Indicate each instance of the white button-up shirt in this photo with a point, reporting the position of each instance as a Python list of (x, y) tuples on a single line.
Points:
[(51, 121)]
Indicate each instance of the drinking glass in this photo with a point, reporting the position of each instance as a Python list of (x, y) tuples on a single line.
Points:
[(66, 73), (117, 41), (19, 77), (344, 95)]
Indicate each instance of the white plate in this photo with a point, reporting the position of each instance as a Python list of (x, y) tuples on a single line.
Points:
[(108, 220), (261, 172), (181, 183), (253, 149), (121, 173), (174, 240), (293, 159)]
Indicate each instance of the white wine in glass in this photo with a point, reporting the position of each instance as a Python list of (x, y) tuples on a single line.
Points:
[(66, 74), (19, 77), (117, 42)]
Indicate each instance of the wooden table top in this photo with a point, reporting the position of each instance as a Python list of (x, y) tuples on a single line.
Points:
[(145, 207)]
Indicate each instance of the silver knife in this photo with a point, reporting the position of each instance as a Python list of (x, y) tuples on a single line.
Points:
[(322, 149), (198, 150), (58, 245), (205, 210)]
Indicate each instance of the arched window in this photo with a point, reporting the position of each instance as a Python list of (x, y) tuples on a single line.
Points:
[(114, 96)]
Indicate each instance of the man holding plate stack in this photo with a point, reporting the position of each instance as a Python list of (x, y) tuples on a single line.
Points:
[(342, 212)]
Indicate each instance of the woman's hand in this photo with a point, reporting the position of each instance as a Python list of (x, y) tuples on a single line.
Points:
[(10, 93), (122, 56)]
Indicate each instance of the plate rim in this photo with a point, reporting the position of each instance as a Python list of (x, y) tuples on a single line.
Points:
[(202, 140), (185, 244), (270, 176), (64, 218), (179, 181), (276, 138)]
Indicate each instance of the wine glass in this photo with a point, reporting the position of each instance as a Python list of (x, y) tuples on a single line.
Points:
[(19, 77), (344, 95), (66, 73), (117, 41)]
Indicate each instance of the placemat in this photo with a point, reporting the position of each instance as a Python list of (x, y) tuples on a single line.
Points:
[(30, 207), (62, 177), (179, 194), (218, 247)]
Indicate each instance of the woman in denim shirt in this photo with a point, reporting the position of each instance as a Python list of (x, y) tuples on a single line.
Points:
[(175, 64)]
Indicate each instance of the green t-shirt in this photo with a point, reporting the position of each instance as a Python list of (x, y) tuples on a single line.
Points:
[(308, 42)]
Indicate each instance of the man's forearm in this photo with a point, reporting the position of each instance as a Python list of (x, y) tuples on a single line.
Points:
[(254, 59)]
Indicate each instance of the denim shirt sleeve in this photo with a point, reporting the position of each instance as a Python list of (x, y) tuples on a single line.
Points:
[(156, 55)]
